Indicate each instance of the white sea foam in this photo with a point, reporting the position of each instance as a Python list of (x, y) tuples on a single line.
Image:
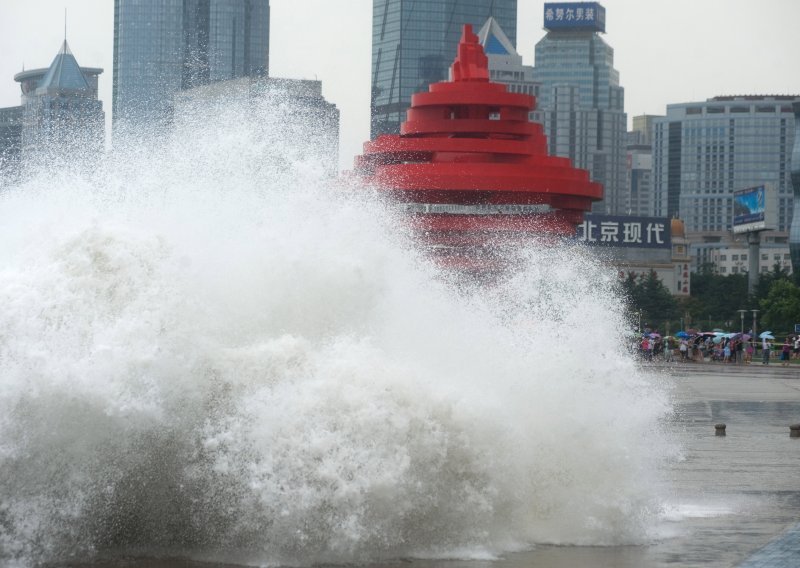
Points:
[(208, 349)]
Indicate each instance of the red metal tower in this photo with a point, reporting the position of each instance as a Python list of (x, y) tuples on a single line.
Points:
[(469, 142)]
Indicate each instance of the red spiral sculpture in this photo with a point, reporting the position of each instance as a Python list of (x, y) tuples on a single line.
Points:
[(470, 142)]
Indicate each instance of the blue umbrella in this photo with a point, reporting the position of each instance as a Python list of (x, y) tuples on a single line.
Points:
[(766, 335), (682, 334)]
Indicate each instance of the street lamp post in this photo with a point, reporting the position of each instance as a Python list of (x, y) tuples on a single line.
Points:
[(741, 313), (755, 330)]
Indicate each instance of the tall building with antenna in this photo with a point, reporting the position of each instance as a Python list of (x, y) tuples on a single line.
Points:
[(164, 46), (413, 45)]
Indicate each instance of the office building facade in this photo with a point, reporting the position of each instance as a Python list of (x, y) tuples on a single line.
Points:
[(794, 229), (164, 46), (704, 151), (581, 103), (639, 165), (413, 45)]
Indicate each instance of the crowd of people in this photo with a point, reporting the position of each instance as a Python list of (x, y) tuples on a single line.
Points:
[(734, 348)]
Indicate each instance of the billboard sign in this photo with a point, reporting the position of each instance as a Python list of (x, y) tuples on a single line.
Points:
[(625, 231), (753, 209), (589, 16)]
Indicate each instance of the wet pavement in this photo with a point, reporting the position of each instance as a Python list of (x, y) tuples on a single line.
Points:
[(737, 497), (746, 485)]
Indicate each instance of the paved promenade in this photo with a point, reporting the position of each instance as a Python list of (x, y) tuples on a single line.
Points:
[(750, 477)]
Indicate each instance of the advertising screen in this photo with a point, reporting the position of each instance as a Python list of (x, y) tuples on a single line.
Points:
[(751, 209)]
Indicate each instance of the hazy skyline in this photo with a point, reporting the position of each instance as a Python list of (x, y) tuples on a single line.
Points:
[(666, 51)]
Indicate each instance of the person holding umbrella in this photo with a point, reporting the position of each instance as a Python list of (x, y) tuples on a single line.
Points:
[(683, 345)]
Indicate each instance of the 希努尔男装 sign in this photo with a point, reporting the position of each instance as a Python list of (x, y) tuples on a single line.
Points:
[(575, 16)]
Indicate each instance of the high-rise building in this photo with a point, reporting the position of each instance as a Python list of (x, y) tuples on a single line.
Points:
[(639, 165), (581, 103), (164, 46), (60, 109), (704, 151), (413, 45), (794, 229), (643, 129)]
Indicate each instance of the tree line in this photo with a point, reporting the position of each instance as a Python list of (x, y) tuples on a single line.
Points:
[(715, 301)]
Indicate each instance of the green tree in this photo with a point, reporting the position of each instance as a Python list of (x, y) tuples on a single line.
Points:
[(691, 306), (767, 279), (647, 295), (781, 307), (718, 296)]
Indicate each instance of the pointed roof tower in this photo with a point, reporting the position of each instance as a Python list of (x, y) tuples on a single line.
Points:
[(64, 73), (494, 40)]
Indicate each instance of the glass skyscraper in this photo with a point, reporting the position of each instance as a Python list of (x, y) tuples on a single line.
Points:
[(413, 45), (581, 103), (704, 151), (163, 46), (794, 230)]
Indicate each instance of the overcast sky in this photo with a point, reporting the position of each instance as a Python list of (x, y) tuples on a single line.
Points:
[(666, 51)]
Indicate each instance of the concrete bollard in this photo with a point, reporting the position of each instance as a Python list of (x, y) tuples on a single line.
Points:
[(794, 430), (720, 429)]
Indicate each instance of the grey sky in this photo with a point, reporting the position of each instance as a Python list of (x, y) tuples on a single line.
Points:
[(667, 51)]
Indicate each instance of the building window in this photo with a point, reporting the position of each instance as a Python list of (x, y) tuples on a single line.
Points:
[(723, 269), (735, 257), (723, 257), (735, 269), (744, 257)]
